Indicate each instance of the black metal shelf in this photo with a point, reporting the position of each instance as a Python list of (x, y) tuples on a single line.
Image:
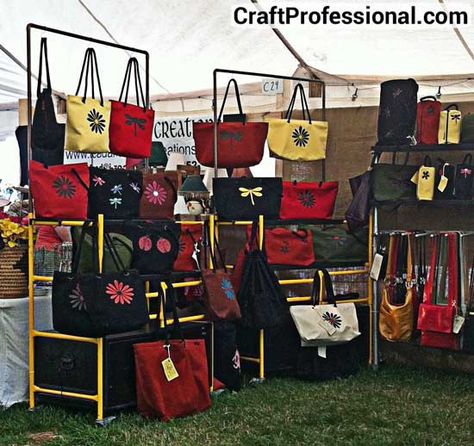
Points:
[(426, 204), (425, 148), (319, 265)]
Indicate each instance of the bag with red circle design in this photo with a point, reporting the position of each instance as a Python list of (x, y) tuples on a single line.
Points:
[(312, 201), (155, 246)]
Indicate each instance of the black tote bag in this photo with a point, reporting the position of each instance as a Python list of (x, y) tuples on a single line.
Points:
[(464, 179), (444, 169), (155, 246), (115, 193), (226, 355), (247, 198), (47, 136), (261, 299), (397, 112)]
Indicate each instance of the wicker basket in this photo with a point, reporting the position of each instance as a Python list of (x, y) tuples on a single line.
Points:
[(14, 272)]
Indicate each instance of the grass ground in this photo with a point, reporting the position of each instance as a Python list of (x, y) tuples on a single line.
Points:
[(393, 406)]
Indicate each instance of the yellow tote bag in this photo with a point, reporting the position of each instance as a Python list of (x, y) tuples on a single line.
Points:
[(424, 179), (87, 125), (449, 131), (297, 140)]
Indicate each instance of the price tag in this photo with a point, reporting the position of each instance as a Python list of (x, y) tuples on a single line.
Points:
[(443, 182), (168, 367), (457, 324), (377, 266)]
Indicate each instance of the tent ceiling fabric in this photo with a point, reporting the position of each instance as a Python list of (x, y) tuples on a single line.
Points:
[(188, 39)]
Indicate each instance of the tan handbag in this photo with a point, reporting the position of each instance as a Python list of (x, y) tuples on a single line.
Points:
[(396, 321), (88, 119), (297, 140)]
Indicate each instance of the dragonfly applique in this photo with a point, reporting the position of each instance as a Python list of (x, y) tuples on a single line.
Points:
[(136, 122)]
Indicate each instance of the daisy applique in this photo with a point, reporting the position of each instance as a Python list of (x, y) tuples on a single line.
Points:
[(120, 293)]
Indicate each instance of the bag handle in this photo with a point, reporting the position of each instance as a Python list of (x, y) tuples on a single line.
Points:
[(330, 298), (43, 50), (209, 251), (467, 159), (392, 257), (133, 63), (237, 96), (304, 103), (453, 270), (428, 98), (77, 256), (470, 304), (171, 299), (428, 290), (449, 107), (427, 161), (90, 62)]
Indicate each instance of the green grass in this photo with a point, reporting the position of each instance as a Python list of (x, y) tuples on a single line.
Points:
[(393, 406)]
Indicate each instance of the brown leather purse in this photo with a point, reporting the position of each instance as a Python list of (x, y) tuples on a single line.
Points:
[(396, 321)]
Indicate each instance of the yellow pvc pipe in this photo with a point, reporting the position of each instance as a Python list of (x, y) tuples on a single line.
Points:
[(298, 299), (100, 379), (100, 239), (31, 314), (234, 223), (66, 337), (198, 317), (59, 223), (262, 354), (82, 396), (212, 238), (185, 284), (250, 359), (42, 278)]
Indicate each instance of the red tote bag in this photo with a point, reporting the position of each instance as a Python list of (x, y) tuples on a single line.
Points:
[(131, 126), (239, 144), (59, 192), (313, 201), (428, 112), (187, 394), (290, 248), (436, 321), (159, 195), (190, 234)]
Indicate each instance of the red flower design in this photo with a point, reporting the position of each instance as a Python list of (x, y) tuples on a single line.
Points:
[(155, 193), (163, 245), (120, 293)]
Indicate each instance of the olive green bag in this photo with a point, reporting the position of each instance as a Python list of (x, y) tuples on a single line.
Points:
[(333, 244), (122, 244), (391, 182)]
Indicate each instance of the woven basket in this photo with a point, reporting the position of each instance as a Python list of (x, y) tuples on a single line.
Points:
[(14, 272)]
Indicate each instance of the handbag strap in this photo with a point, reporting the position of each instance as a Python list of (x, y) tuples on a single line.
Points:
[(171, 300), (90, 62), (43, 50), (449, 107), (304, 103), (428, 98), (133, 64), (209, 251), (470, 303), (428, 290), (453, 269), (77, 256), (392, 258), (237, 96), (330, 298), (427, 161)]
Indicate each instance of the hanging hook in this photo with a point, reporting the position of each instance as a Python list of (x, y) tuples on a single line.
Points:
[(438, 95), (355, 95)]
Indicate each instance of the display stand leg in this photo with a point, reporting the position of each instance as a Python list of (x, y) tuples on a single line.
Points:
[(374, 312), (31, 316)]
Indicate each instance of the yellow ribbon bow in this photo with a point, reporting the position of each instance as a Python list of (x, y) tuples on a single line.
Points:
[(256, 191)]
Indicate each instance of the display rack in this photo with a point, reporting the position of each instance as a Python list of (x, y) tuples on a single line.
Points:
[(377, 152)]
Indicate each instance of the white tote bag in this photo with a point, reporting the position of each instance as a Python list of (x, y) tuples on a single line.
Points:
[(322, 325)]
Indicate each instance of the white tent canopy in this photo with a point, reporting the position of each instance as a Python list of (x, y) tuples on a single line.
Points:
[(188, 39)]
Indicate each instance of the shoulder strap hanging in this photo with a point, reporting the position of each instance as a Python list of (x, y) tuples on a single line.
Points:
[(427, 161), (43, 50), (470, 303), (467, 159), (428, 98), (171, 301), (392, 258), (453, 269), (133, 64), (304, 104), (237, 96), (449, 107), (90, 62), (428, 290), (77, 255)]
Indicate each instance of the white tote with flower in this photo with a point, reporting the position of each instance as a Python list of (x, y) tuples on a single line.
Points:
[(87, 125), (296, 139)]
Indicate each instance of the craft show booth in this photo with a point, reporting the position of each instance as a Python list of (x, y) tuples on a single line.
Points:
[(147, 264)]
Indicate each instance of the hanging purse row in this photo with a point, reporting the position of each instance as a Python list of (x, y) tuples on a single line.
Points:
[(99, 126)]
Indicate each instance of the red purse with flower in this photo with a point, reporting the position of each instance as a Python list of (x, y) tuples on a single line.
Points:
[(59, 192), (131, 126), (159, 195), (312, 201)]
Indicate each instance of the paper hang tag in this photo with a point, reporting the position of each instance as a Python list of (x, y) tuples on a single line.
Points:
[(327, 327), (168, 367), (414, 178), (377, 266), (322, 352), (457, 324), (443, 182)]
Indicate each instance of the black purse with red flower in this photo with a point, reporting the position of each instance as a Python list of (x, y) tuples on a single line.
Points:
[(155, 245), (97, 304)]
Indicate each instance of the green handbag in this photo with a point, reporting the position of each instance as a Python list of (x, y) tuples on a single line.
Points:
[(467, 129), (391, 182), (123, 247), (335, 244)]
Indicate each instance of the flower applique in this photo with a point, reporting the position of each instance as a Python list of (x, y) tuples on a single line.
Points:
[(332, 318), (425, 175), (155, 193), (306, 198), (96, 121), (64, 187), (300, 136), (77, 300), (120, 293)]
